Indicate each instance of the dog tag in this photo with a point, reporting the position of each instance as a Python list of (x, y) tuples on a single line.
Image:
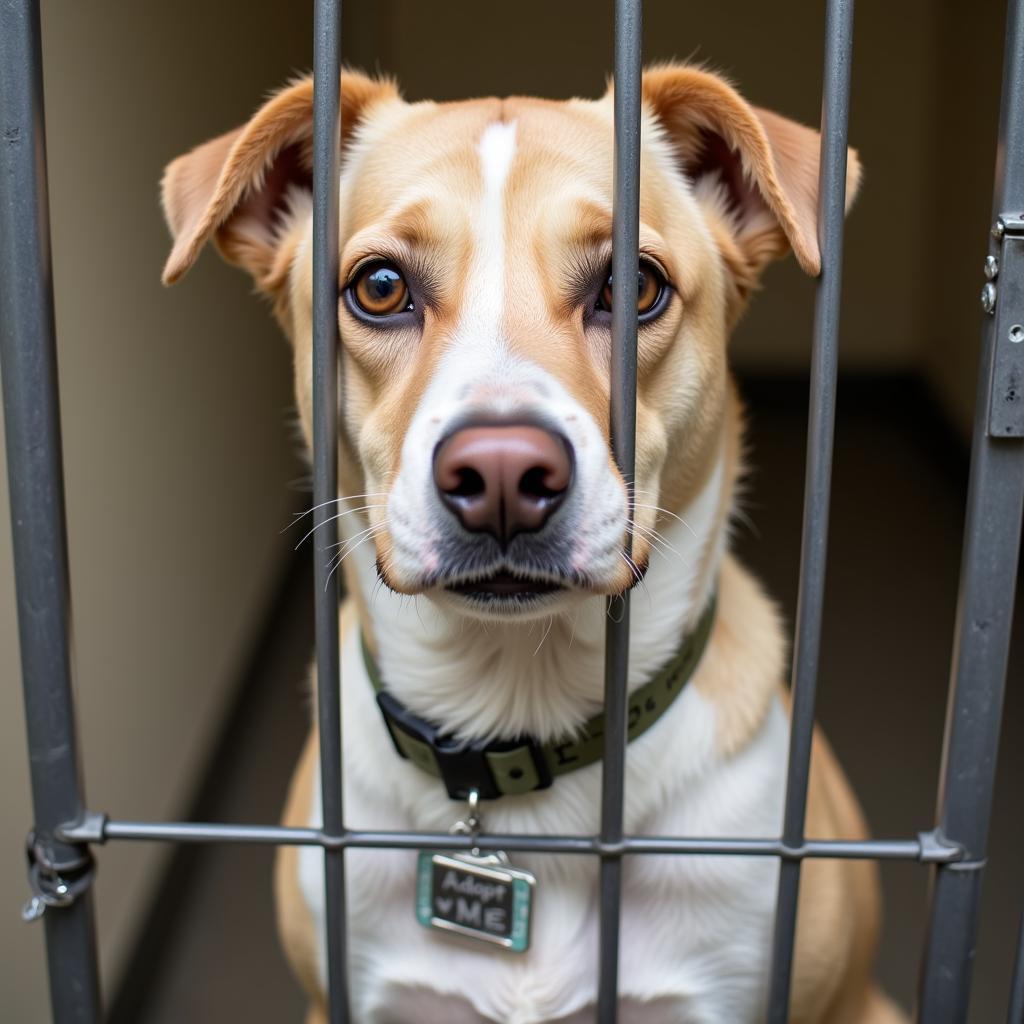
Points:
[(481, 897)]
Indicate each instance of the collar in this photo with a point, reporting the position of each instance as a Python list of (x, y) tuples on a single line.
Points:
[(506, 767)]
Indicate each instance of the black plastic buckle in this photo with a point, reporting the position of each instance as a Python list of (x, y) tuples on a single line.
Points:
[(463, 764)]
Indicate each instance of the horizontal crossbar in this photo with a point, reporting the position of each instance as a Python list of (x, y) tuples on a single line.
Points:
[(926, 848)]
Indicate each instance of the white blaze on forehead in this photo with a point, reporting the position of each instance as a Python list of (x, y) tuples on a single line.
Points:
[(481, 317), (497, 147)]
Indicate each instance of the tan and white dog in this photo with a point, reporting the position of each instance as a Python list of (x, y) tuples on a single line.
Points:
[(474, 305)]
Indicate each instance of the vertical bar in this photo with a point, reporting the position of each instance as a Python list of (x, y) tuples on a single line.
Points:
[(1016, 1011), (326, 165), (821, 428), (28, 361), (625, 268), (988, 574)]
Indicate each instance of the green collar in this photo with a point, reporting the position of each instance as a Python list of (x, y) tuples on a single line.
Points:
[(501, 768)]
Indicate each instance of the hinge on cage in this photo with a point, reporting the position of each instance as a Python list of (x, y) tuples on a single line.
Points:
[(56, 881), (1003, 298)]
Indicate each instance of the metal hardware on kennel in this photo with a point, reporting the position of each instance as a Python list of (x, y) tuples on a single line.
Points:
[(817, 488), (65, 831), (326, 157), (985, 604), (28, 365)]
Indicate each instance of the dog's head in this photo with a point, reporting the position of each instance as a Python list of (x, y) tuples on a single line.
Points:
[(474, 305)]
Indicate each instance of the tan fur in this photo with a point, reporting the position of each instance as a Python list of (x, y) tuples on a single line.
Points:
[(779, 155), (294, 924), (411, 175), (219, 184), (839, 912)]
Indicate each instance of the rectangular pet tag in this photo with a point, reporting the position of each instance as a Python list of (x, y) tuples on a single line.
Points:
[(480, 897)]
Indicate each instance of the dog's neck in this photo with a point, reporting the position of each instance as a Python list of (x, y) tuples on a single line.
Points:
[(544, 678)]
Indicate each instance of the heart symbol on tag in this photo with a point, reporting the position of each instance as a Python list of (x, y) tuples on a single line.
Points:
[(444, 904)]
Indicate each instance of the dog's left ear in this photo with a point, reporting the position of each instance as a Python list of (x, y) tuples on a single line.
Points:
[(762, 167), (239, 188)]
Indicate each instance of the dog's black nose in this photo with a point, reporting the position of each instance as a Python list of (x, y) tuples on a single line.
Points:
[(503, 479)]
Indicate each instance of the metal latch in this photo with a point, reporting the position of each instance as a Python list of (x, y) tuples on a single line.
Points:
[(56, 881), (1003, 298)]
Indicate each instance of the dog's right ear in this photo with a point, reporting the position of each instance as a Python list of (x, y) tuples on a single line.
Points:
[(239, 188)]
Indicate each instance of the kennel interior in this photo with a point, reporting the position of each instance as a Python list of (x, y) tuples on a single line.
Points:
[(918, 277)]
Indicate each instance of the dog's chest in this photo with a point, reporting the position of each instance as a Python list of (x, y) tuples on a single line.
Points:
[(692, 939), (695, 930)]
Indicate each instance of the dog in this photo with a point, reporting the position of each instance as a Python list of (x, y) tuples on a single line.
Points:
[(486, 527)]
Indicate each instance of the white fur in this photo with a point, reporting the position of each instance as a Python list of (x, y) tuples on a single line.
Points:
[(695, 930), (482, 316), (544, 678), (688, 922), (479, 374)]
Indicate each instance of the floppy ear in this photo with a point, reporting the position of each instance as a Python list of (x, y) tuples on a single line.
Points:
[(761, 169), (240, 187)]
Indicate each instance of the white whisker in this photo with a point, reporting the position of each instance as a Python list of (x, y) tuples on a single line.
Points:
[(356, 536), (575, 623), (638, 576), (551, 622), (332, 519), (655, 538), (665, 511), (372, 532), (416, 606), (296, 516)]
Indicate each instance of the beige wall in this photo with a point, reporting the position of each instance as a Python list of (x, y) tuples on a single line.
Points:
[(773, 53), (177, 452), (925, 95)]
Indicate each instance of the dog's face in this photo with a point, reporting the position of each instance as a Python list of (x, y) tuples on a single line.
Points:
[(474, 308)]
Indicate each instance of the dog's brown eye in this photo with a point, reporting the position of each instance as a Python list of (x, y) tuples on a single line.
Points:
[(650, 286), (380, 290)]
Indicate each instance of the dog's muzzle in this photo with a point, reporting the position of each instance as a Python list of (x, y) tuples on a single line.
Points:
[(503, 478)]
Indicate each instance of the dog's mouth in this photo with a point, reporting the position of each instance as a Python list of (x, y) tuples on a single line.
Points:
[(504, 586)]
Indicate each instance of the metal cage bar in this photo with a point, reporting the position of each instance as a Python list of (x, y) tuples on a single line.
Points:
[(925, 848), (28, 362), (625, 268), (326, 343), (988, 575), (1015, 1014), (820, 432)]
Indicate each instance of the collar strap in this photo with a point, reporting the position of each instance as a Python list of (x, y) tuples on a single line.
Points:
[(500, 768)]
